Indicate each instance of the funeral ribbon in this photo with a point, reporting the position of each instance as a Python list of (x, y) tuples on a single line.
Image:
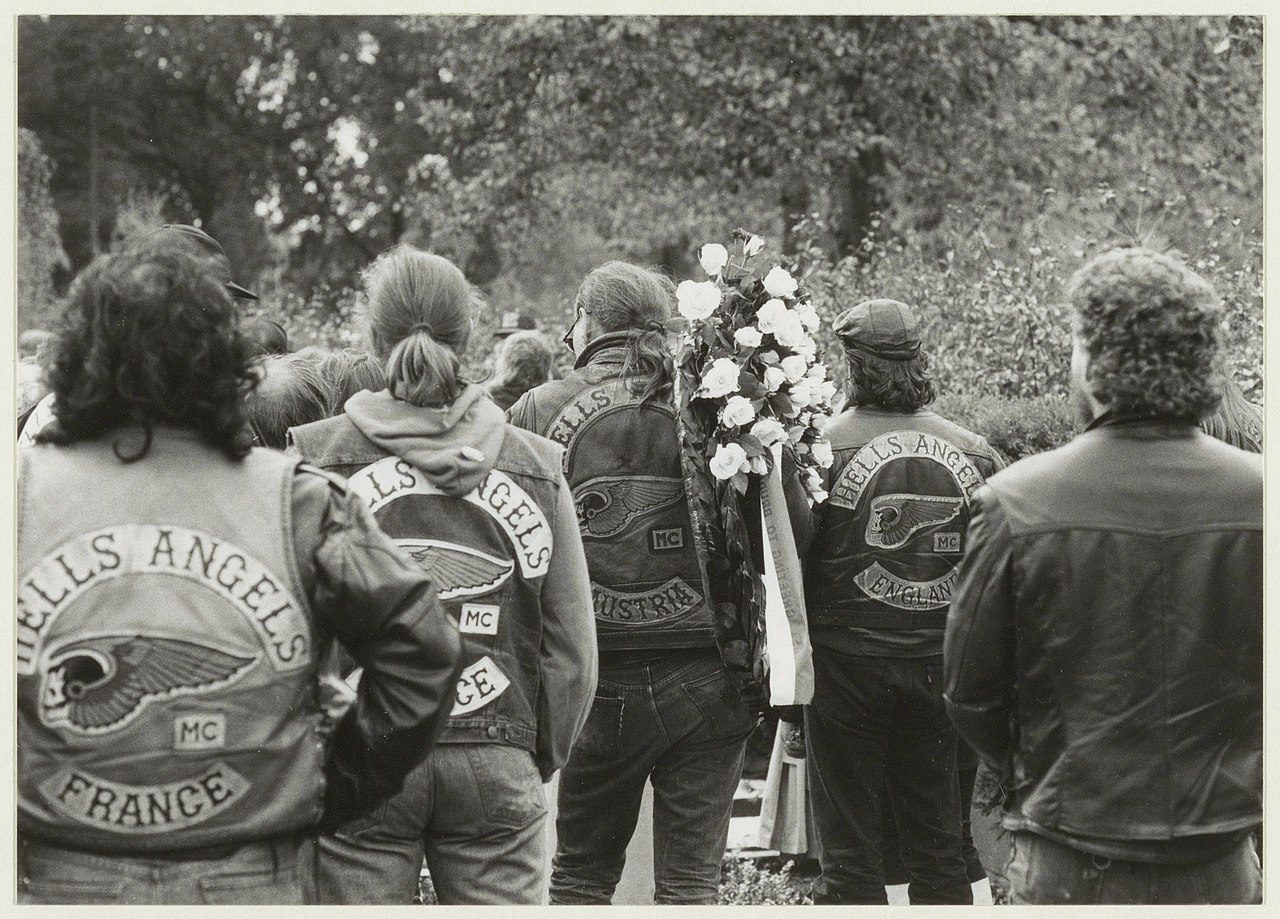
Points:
[(788, 653)]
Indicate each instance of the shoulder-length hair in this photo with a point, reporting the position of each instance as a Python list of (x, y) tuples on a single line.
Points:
[(896, 385), (150, 339)]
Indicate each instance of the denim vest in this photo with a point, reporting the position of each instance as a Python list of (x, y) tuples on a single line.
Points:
[(622, 461), (487, 553), (893, 529), (166, 653)]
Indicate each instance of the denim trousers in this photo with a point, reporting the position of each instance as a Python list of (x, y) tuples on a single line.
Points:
[(1046, 871), (280, 871), (877, 727), (475, 811), (675, 719)]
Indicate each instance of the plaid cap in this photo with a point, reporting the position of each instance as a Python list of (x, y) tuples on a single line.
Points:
[(885, 328), (193, 241)]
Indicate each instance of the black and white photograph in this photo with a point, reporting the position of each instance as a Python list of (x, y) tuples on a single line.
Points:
[(707, 457)]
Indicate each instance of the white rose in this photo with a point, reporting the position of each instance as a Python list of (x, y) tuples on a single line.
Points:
[(728, 460), (817, 373), (779, 282), (721, 379), (712, 257), (827, 391), (769, 357), (794, 367), (808, 314), (795, 432), (801, 393), (807, 346), (752, 246), (821, 451), (790, 331), (697, 299), (769, 315), (748, 337), (768, 431), (774, 378), (737, 411), (759, 466)]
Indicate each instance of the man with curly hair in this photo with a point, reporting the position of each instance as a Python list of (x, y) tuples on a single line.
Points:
[(1104, 647), (177, 591)]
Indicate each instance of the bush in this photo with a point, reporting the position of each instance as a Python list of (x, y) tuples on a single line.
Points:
[(1015, 427), (743, 883)]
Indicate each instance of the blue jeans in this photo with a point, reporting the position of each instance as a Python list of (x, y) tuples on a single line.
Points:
[(1045, 871), (279, 871), (475, 811), (676, 720)]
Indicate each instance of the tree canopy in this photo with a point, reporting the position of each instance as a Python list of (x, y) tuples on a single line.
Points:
[(526, 147)]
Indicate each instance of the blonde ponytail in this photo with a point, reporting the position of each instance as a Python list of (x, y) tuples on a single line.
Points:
[(422, 371)]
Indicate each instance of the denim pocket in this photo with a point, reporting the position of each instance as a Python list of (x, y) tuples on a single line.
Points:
[(720, 705), (508, 784), (252, 887), (67, 892), (602, 733)]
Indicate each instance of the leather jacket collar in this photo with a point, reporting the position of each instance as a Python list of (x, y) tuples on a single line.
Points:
[(1118, 419), (606, 348)]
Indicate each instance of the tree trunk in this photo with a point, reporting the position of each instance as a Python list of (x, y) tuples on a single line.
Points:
[(795, 199), (95, 218), (857, 199)]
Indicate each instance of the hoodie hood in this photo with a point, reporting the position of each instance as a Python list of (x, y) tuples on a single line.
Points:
[(455, 446)]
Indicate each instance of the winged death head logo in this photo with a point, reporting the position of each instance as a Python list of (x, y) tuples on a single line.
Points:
[(896, 518), (458, 571), (608, 505), (100, 684)]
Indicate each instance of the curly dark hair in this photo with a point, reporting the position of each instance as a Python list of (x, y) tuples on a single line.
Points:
[(150, 339), (896, 385), (1150, 326)]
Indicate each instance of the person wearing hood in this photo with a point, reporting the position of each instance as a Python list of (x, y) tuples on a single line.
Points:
[(484, 508)]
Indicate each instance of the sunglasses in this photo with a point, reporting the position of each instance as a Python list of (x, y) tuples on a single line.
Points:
[(567, 338)]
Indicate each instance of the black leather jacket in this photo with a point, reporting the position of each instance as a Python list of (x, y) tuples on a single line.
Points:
[(1104, 644), (888, 540), (622, 461)]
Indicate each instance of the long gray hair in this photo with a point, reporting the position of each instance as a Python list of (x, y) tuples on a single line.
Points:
[(625, 297)]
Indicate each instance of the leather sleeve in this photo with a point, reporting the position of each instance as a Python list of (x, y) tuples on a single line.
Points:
[(978, 650), (522, 414), (567, 657), (384, 611)]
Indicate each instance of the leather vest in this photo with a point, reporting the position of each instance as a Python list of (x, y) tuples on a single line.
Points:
[(892, 535), (487, 553), (622, 461), (166, 653)]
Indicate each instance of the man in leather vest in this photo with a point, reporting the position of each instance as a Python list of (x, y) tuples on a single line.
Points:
[(176, 592), (1105, 643), (878, 583), (665, 709)]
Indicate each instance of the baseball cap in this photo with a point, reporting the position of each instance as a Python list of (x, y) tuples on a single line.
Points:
[(196, 242), (885, 328)]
